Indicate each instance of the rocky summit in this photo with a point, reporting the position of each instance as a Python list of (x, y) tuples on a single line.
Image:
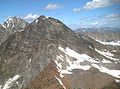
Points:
[(11, 26), (46, 54)]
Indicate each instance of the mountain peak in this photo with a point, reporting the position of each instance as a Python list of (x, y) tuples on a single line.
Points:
[(14, 23), (42, 17)]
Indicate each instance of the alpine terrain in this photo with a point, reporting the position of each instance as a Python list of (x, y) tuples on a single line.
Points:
[(46, 54)]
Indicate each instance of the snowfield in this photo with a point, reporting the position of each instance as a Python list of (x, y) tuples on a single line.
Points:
[(75, 64)]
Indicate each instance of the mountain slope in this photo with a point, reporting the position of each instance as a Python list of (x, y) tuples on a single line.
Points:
[(48, 55)]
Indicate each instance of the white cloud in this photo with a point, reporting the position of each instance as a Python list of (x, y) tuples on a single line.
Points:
[(94, 23), (113, 16), (97, 4), (105, 23), (76, 9), (52, 6), (100, 3), (31, 17)]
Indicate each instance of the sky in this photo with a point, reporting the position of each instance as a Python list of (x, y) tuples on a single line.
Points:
[(74, 13)]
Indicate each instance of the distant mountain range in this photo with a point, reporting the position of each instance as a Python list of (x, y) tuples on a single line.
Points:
[(105, 34), (46, 54), (99, 29)]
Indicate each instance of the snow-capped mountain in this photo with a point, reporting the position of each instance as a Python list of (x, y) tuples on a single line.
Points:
[(49, 55), (10, 26), (14, 23)]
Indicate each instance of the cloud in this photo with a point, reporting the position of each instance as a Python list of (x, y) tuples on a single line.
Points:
[(94, 23), (105, 23), (52, 6), (100, 3), (115, 1), (96, 4), (31, 16), (76, 9), (113, 16)]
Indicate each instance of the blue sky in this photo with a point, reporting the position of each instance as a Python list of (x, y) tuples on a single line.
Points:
[(74, 13)]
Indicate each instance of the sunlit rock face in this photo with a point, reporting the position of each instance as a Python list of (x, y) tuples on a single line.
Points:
[(46, 54)]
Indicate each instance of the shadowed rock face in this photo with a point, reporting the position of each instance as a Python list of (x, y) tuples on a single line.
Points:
[(48, 55)]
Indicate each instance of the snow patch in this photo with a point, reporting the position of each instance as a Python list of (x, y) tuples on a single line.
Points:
[(114, 73), (66, 72), (106, 54), (10, 81), (26, 42), (118, 81), (0, 86), (110, 43), (61, 74), (60, 82), (10, 19), (114, 50), (76, 65), (30, 60), (13, 26), (21, 30), (4, 26), (60, 57), (78, 35), (90, 47), (106, 61), (58, 64), (36, 20), (80, 57)]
